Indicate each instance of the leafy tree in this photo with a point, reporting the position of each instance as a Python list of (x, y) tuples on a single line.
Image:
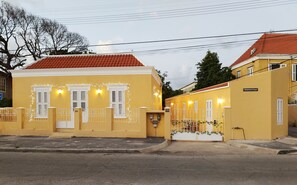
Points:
[(167, 90), (210, 71), (23, 34)]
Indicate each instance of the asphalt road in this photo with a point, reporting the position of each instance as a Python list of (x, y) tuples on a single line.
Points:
[(106, 169)]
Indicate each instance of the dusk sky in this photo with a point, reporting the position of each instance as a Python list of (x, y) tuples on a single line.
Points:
[(118, 21)]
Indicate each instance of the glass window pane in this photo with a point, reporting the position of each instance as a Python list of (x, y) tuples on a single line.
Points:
[(74, 104), (83, 95), (120, 109), (39, 110), (120, 96), (113, 96), (74, 95), (83, 105), (39, 97), (45, 110), (45, 97)]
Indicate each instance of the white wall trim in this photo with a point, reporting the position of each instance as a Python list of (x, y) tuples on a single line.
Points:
[(190, 93), (80, 87), (94, 71), (42, 88), (265, 56)]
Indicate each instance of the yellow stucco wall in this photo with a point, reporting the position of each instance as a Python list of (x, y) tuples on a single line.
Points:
[(201, 97), (139, 86), (261, 65), (255, 112)]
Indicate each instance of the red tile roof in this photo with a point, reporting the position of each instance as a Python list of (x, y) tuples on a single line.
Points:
[(86, 61), (271, 43), (212, 87)]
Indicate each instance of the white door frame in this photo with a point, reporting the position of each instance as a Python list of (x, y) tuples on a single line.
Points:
[(79, 88)]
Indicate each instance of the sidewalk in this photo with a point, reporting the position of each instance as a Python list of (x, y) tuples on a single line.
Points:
[(280, 146), (80, 145)]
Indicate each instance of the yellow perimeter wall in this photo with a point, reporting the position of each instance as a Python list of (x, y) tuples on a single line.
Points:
[(253, 112)]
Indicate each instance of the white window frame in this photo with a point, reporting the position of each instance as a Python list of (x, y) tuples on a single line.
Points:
[(79, 88), (238, 73), (250, 70), (280, 65), (209, 107), (118, 88), (196, 106), (294, 72), (42, 89), (3, 82), (279, 111), (184, 110)]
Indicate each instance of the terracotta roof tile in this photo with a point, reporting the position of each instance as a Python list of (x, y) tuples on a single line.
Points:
[(86, 61), (271, 43)]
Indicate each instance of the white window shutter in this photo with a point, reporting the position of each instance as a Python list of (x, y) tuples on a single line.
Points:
[(294, 72)]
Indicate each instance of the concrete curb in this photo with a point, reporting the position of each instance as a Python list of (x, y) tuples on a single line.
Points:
[(67, 150), (155, 147), (251, 147), (270, 150), (86, 150)]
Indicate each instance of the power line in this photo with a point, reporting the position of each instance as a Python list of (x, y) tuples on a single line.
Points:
[(174, 13)]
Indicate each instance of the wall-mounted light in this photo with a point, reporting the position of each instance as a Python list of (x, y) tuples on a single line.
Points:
[(220, 100), (156, 94), (60, 91), (99, 91), (190, 102), (160, 96), (171, 104)]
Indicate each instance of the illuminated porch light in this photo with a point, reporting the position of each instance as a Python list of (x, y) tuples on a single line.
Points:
[(220, 100), (156, 94), (60, 91), (160, 96), (171, 104), (190, 102), (99, 91)]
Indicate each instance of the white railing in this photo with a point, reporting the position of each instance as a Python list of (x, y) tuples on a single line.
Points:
[(63, 114), (8, 115), (190, 120), (31, 115)]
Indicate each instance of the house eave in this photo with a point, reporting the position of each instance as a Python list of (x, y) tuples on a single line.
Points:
[(265, 56)]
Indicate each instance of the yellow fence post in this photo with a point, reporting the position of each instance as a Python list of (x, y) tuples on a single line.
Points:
[(109, 119), (227, 124), (77, 119), (143, 122), (52, 119), (20, 117), (167, 134)]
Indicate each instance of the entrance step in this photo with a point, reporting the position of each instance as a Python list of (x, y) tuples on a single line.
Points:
[(65, 130), (61, 135)]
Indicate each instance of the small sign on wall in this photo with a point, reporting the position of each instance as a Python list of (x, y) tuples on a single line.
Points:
[(250, 89), (1, 95)]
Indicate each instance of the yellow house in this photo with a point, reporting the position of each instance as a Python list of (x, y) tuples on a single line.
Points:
[(253, 107), (271, 51), (90, 84)]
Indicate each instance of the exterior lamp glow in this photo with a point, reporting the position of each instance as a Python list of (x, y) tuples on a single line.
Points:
[(190, 102), (171, 104), (160, 96), (156, 94), (99, 91), (220, 100), (60, 91)]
